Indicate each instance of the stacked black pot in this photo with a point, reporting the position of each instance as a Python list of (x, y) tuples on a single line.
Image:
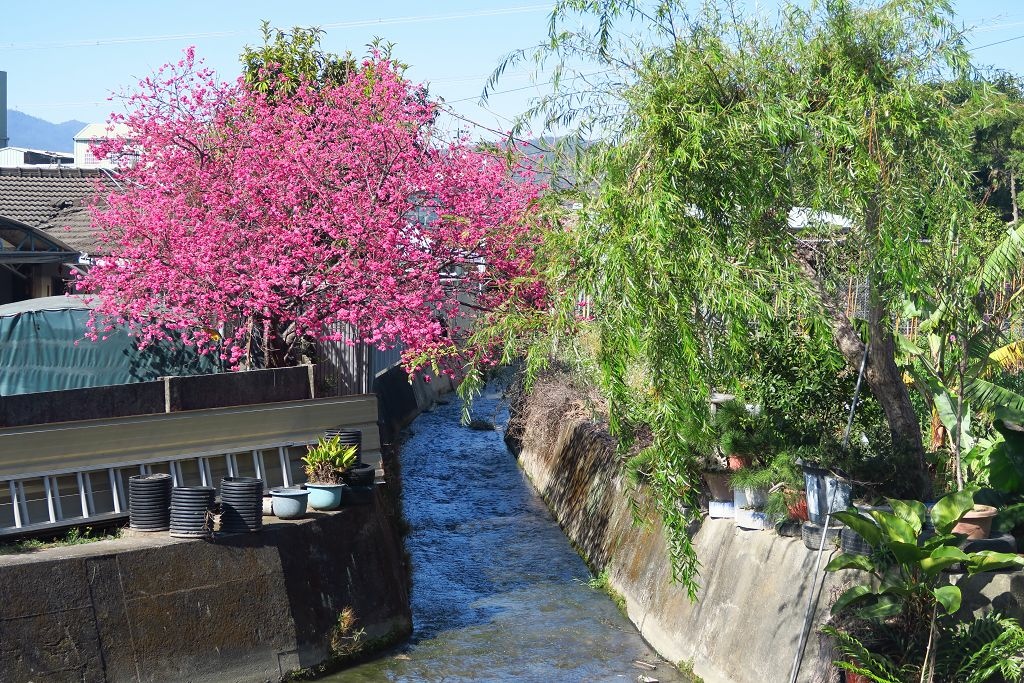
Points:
[(241, 504), (192, 511), (360, 477), (348, 437), (149, 502)]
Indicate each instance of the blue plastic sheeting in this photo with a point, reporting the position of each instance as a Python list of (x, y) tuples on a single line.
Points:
[(43, 347)]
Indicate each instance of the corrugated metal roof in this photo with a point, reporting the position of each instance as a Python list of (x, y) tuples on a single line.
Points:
[(37, 151), (47, 303)]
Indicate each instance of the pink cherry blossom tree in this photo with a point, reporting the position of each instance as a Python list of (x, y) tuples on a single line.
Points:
[(252, 223)]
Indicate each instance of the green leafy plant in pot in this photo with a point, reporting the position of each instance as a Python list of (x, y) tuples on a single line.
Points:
[(324, 464), (902, 621), (741, 433)]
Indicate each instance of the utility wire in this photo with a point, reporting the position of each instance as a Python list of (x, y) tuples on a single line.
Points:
[(384, 21), (527, 87), (998, 42)]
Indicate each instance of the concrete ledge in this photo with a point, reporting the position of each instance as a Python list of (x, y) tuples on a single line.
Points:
[(249, 607), (166, 395)]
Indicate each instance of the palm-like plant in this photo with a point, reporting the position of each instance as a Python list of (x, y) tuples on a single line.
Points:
[(325, 461), (972, 652), (966, 337)]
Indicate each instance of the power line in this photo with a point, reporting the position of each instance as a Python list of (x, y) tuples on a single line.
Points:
[(500, 92), (362, 23), (998, 42), (527, 87)]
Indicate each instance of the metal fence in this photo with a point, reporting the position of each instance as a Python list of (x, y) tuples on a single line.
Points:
[(349, 366)]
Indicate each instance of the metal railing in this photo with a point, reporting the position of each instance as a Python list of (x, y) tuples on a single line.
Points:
[(73, 473)]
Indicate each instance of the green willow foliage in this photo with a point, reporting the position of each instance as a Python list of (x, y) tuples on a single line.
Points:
[(713, 127)]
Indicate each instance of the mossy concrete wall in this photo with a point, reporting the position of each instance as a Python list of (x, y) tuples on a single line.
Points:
[(248, 607), (754, 585)]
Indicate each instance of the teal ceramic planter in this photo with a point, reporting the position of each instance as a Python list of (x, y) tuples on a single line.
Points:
[(289, 503), (325, 496)]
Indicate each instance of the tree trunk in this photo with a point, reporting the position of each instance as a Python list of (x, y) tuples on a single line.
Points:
[(881, 374), (938, 436), (886, 381)]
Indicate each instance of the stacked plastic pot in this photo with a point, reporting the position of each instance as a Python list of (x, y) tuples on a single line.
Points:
[(149, 502), (192, 511), (348, 437), (241, 505)]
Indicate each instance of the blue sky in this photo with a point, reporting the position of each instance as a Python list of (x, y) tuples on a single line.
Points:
[(65, 58)]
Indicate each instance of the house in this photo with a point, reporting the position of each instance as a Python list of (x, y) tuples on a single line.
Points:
[(92, 134), (23, 156), (44, 228)]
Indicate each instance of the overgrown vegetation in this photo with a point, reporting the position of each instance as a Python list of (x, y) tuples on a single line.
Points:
[(346, 639), (901, 625), (602, 582), (770, 203)]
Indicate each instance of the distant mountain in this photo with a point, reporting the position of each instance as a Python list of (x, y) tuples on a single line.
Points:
[(28, 131)]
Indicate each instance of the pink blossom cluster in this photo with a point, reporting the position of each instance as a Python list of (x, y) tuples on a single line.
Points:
[(251, 221)]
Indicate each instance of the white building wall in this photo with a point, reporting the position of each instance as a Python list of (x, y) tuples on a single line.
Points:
[(11, 156)]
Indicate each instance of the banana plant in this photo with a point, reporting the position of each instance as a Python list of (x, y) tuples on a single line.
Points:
[(963, 340), (906, 565)]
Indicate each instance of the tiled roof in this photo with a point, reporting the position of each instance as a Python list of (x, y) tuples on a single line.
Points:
[(73, 227), (35, 196)]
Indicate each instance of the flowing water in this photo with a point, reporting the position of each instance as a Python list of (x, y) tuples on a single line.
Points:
[(499, 594)]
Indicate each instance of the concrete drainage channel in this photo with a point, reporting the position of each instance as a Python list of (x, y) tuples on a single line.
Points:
[(498, 593)]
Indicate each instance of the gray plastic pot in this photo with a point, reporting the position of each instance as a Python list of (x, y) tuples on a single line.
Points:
[(289, 503)]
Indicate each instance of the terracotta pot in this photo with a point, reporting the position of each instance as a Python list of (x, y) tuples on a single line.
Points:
[(738, 462), (718, 484), (977, 523)]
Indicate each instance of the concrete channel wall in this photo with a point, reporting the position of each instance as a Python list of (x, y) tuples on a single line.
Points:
[(746, 623), (246, 607)]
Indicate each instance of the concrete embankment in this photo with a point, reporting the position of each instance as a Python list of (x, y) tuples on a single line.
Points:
[(746, 623)]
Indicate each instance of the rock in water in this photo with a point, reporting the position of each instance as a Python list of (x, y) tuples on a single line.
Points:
[(481, 425)]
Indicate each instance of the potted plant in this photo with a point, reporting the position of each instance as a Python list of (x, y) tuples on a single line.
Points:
[(784, 480), (716, 475), (885, 626), (739, 432), (750, 495), (976, 523), (324, 464)]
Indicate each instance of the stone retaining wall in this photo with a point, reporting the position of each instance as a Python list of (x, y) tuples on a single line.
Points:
[(248, 607)]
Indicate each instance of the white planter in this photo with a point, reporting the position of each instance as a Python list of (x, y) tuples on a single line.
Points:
[(747, 518), (721, 509), (749, 498)]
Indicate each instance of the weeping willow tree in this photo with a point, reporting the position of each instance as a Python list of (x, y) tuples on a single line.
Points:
[(745, 166)]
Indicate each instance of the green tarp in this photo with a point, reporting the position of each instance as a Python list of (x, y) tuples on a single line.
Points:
[(43, 347)]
